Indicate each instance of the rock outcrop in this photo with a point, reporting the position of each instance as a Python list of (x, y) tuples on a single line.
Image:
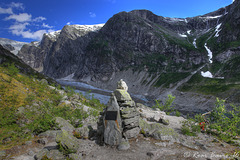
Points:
[(112, 123)]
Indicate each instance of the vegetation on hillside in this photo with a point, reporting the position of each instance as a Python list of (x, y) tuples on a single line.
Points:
[(28, 106), (221, 122)]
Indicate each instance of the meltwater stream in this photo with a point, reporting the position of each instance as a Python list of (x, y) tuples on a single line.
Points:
[(102, 94)]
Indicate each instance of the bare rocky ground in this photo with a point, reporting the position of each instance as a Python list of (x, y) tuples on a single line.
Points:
[(141, 148), (201, 147)]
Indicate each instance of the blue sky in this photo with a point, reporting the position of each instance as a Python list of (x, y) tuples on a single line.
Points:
[(27, 20)]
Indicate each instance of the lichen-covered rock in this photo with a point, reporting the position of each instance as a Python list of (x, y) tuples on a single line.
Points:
[(74, 156), (40, 154), (64, 125), (122, 95), (83, 132), (67, 142), (52, 154)]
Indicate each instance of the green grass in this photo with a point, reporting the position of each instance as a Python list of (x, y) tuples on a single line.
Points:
[(208, 86), (166, 79), (28, 107)]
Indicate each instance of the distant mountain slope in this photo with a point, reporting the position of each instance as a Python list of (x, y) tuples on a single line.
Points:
[(155, 55), (11, 45)]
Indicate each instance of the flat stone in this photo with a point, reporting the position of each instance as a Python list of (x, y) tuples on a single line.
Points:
[(132, 133), (134, 120)]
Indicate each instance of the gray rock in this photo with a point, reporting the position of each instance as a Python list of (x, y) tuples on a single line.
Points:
[(40, 154), (164, 121), (124, 145), (49, 134), (127, 112), (20, 110), (42, 141), (112, 126), (64, 125), (131, 122), (201, 145), (31, 153), (189, 145), (84, 132), (157, 131), (52, 154), (75, 156), (68, 142), (44, 81), (55, 155), (122, 95), (132, 133)]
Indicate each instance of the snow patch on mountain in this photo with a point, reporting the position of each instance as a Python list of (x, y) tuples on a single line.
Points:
[(92, 28), (217, 30), (182, 35), (207, 74), (194, 43), (54, 35), (209, 52), (211, 17), (11, 45)]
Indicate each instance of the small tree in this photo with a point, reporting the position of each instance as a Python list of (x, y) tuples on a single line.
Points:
[(167, 107)]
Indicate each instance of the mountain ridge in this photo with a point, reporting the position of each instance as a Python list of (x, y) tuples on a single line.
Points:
[(162, 52)]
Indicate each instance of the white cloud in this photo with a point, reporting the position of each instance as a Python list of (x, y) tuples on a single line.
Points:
[(68, 23), (92, 15), (23, 23), (22, 17), (16, 5), (46, 25), (20, 29), (6, 11), (39, 19)]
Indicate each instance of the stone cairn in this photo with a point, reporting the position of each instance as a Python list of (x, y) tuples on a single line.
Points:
[(120, 120)]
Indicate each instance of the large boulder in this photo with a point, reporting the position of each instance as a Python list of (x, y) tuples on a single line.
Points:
[(67, 142), (112, 123), (49, 154), (64, 125), (157, 131)]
